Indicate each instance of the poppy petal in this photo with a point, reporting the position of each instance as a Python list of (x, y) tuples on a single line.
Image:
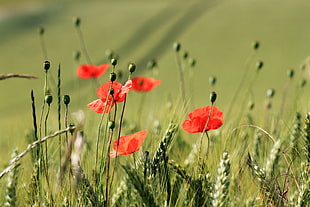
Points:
[(100, 105), (128, 144)]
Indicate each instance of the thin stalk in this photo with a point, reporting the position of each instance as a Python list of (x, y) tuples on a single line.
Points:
[(14, 75), (58, 112), (119, 135), (182, 82), (83, 45), (282, 152), (245, 74), (31, 147), (206, 125), (107, 190)]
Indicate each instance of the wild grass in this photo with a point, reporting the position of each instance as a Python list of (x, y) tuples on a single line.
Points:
[(259, 157)]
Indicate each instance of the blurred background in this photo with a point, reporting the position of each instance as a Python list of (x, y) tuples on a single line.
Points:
[(218, 34)]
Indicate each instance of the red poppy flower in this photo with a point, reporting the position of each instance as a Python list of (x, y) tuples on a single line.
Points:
[(107, 101), (144, 83), (128, 144), (91, 71), (199, 118)]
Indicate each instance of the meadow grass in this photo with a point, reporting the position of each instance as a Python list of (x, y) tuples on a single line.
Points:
[(259, 157)]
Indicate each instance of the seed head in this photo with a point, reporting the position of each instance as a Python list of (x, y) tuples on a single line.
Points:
[(76, 21), (111, 91), (251, 105), (48, 99), (192, 62), (270, 93), (185, 55), (176, 46), (41, 30), (111, 124), (113, 61), (46, 65), (151, 64), (76, 55), (290, 73), (256, 45), (212, 80), (303, 83), (112, 76), (66, 99), (259, 65), (131, 67), (213, 97)]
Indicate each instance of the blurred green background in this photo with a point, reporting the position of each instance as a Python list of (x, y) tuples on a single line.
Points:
[(217, 33)]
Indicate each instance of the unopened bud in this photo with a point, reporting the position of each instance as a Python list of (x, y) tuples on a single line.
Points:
[(176, 46), (76, 55), (41, 31), (112, 76), (46, 65), (131, 67), (192, 62), (71, 130), (76, 21), (113, 61), (212, 80), (111, 124), (303, 83), (270, 93), (185, 55), (111, 91), (256, 45), (290, 73), (48, 99), (251, 105), (66, 99), (259, 65), (151, 64), (213, 97)]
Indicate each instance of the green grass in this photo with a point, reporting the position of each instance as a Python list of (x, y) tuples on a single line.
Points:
[(218, 34)]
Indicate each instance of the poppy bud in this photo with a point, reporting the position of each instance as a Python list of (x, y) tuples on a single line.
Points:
[(270, 93), (41, 31), (303, 83), (290, 73), (151, 64), (76, 21), (131, 67), (213, 97), (185, 55), (176, 46), (212, 80), (113, 61), (256, 45), (46, 65), (111, 124), (48, 99), (71, 130), (251, 105), (259, 65), (112, 76), (111, 91), (192, 62), (66, 99), (76, 55)]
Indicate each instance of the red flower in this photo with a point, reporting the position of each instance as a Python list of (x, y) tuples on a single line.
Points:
[(199, 118), (144, 83), (128, 144), (91, 71), (107, 101)]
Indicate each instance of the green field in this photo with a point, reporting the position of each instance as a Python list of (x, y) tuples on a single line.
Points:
[(218, 34)]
